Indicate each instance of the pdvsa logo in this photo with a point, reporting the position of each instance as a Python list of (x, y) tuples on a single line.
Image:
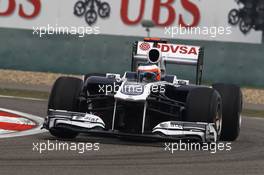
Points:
[(91, 9)]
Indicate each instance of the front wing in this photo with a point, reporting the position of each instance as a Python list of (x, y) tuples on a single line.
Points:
[(94, 125)]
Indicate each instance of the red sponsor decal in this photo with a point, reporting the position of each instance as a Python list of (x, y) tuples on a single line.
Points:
[(36, 4), (177, 49), (158, 5), (144, 46), (124, 12)]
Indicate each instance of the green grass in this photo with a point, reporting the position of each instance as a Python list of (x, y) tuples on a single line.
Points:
[(24, 93)]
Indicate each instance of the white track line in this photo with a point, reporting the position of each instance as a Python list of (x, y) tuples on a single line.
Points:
[(39, 121)]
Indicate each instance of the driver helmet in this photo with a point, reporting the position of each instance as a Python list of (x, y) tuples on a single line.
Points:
[(149, 72)]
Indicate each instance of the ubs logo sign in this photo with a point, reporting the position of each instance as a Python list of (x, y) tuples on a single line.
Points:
[(91, 9)]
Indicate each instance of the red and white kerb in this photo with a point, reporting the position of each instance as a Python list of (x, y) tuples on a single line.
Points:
[(10, 122)]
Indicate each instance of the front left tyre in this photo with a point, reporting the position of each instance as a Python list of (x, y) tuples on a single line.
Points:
[(65, 96)]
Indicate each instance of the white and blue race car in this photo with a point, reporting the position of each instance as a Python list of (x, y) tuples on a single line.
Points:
[(146, 102)]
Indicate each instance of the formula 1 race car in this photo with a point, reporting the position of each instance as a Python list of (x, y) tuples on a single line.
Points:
[(146, 102)]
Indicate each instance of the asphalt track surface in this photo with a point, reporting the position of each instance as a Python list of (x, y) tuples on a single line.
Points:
[(128, 157)]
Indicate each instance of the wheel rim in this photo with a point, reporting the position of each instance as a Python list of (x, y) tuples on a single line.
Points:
[(240, 121), (218, 121)]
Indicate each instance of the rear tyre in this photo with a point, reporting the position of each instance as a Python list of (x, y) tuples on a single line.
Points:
[(232, 102), (64, 96), (204, 105)]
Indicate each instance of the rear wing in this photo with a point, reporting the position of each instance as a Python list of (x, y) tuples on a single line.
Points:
[(170, 54)]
